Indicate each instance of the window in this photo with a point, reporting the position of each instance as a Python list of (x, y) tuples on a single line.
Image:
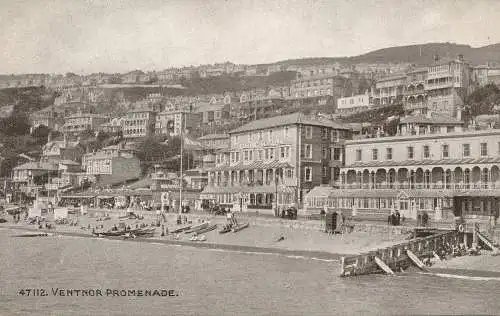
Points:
[(324, 133), (410, 152), (334, 136), (445, 151), (484, 149), (282, 152), (260, 153), (466, 150), (499, 148), (308, 174), (286, 131), (325, 172), (271, 153), (308, 151), (324, 152), (245, 155), (270, 134), (309, 132), (426, 152), (450, 129), (388, 154), (358, 155), (250, 154), (336, 153), (374, 154)]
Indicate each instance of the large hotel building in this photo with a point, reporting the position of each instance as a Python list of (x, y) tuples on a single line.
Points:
[(284, 156), (435, 166)]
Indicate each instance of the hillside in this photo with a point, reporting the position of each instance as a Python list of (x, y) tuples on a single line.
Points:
[(234, 83), (422, 54)]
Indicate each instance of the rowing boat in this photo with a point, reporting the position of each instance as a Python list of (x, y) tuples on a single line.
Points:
[(240, 227), (206, 230), (225, 229), (181, 229), (33, 235), (197, 228)]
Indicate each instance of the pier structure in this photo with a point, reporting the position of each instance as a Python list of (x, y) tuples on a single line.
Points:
[(399, 256)]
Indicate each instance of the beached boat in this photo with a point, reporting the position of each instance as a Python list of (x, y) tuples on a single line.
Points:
[(143, 232), (226, 229), (3, 220), (111, 233), (206, 230), (181, 229), (199, 238), (197, 228), (237, 228), (33, 235)]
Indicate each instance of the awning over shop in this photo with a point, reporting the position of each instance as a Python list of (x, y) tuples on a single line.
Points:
[(79, 196), (248, 189), (479, 193), (320, 191), (388, 193), (254, 165)]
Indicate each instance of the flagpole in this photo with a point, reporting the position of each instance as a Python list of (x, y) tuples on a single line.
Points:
[(182, 154)]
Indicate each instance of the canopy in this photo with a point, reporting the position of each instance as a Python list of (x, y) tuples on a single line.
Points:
[(60, 213), (34, 212)]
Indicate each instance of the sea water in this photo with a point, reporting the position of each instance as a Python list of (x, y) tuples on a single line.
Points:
[(206, 282)]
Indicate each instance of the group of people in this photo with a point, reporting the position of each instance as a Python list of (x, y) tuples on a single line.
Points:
[(395, 219), (231, 219)]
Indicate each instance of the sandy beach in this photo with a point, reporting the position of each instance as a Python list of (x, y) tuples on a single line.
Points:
[(263, 233)]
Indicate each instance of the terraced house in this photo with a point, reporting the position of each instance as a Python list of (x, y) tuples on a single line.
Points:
[(281, 157), (81, 122)]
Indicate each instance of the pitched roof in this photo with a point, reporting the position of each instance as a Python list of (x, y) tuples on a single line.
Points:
[(418, 69), (37, 166), (434, 119), (213, 136), (392, 77), (290, 119)]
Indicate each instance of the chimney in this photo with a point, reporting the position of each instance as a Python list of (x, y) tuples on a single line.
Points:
[(436, 57)]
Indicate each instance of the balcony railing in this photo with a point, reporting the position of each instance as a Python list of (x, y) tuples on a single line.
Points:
[(433, 186), (254, 182), (415, 91), (417, 105)]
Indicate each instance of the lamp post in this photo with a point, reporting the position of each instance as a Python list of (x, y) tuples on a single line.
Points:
[(276, 193)]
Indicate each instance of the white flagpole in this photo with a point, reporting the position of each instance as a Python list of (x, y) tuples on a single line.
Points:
[(182, 154)]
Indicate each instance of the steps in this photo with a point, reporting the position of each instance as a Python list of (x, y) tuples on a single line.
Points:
[(487, 241)]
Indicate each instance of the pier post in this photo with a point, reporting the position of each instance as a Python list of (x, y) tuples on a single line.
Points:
[(342, 265), (474, 239)]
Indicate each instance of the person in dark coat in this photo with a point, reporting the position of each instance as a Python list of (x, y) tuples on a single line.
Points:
[(398, 218)]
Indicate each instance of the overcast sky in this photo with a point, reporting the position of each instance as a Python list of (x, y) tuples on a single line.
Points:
[(87, 36)]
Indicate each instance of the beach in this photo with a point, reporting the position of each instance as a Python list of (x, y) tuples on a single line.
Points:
[(263, 232), (268, 235)]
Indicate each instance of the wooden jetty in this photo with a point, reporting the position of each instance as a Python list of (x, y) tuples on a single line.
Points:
[(399, 256)]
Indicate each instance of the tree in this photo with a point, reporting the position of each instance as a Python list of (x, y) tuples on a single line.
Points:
[(483, 99), (17, 124)]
